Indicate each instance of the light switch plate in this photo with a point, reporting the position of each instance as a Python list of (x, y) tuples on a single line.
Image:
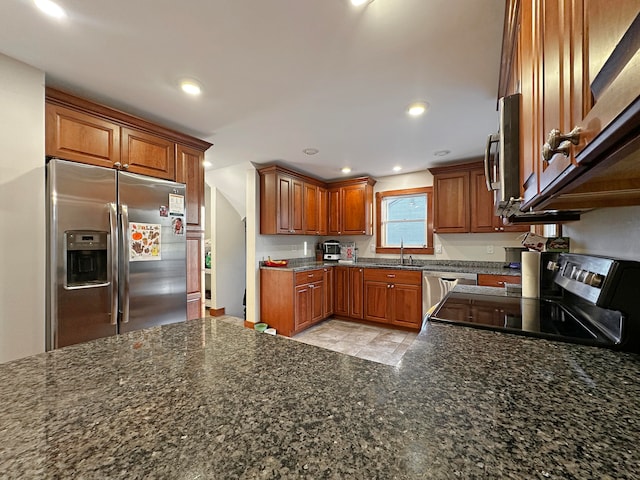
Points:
[(489, 248), (438, 248)]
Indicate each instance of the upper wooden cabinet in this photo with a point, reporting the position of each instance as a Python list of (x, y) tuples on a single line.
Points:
[(83, 131), (351, 207), (483, 218), (576, 64), (282, 194), (81, 137), (148, 154), (462, 202), (292, 203), (190, 170)]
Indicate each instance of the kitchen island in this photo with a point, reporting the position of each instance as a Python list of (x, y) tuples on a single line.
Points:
[(208, 399)]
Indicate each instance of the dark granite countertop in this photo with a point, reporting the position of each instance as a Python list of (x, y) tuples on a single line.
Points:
[(207, 399), (453, 266)]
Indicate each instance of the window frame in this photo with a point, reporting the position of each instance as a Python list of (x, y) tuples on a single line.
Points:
[(428, 191)]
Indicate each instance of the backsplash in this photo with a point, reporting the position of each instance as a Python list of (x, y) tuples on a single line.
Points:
[(612, 232)]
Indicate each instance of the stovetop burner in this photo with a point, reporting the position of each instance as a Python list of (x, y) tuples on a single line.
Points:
[(545, 318)]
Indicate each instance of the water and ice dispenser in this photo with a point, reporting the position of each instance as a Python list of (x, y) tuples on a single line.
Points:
[(86, 258)]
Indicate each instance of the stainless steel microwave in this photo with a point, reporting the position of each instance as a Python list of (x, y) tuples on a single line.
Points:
[(502, 155)]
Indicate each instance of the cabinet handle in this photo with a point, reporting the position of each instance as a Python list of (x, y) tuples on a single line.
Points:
[(560, 143), (393, 286), (117, 165), (310, 275), (391, 275), (125, 166), (556, 138), (388, 285), (548, 152)]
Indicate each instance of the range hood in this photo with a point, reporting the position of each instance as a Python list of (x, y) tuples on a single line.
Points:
[(512, 215)]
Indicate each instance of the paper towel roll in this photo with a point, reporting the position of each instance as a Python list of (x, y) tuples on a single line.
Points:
[(531, 274)]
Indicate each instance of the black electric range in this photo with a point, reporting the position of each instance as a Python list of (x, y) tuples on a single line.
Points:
[(587, 299)]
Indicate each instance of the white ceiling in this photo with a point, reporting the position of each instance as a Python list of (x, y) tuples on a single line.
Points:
[(279, 76)]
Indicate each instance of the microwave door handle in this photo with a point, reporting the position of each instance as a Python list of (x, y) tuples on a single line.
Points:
[(125, 263), (491, 139), (113, 248)]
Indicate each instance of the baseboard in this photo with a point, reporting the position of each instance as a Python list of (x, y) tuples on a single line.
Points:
[(216, 312)]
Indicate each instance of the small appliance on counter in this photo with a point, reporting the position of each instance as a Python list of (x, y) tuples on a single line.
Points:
[(348, 252), (331, 250)]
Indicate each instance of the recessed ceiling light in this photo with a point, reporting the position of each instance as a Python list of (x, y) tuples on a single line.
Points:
[(441, 153), (50, 8), (310, 151), (397, 168), (346, 170), (191, 87), (417, 108)]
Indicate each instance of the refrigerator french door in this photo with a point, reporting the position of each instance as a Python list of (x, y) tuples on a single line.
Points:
[(116, 252)]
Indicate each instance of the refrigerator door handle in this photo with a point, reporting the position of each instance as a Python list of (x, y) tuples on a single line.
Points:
[(113, 247), (125, 263)]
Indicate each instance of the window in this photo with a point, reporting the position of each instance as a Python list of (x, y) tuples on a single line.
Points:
[(405, 217)]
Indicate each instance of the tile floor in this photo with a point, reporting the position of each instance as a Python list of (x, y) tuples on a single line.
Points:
[(378, 344)]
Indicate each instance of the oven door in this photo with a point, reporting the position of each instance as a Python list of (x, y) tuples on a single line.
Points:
[(524, 316)]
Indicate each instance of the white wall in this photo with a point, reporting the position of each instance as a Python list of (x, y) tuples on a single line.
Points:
[(612, 232), (225, 229), (228, 255), (22, 210)]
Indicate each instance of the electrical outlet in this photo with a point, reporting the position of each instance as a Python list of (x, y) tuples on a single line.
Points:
[(372, 248), (438, 248), (489, 248)]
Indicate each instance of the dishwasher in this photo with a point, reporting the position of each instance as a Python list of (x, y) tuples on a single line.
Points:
[(436, 285)]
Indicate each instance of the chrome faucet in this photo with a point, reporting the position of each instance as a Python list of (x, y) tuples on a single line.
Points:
[(401, 252), (410, 260)]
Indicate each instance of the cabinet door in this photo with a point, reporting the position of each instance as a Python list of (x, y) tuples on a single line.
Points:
[(323, 211), (335, 196), (342, 291), (555, 27), (376, 301), (482, 218), (311, 217), (328, 276), (297, 206), (303, 307), (317, 301), (284, 195), (356, 290), (290, 204), (451, 203), (355, 210), (191, 172), (148, 154), (406, 305), (80, 137)]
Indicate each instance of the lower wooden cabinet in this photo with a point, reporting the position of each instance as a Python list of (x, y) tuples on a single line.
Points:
[(292, 301), (393, 297)]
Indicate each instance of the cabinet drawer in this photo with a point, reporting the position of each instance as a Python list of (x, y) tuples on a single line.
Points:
[(309, 276), (486, 280), (393, 276)]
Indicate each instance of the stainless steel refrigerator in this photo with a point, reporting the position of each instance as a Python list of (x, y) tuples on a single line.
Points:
[(116, 252)]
